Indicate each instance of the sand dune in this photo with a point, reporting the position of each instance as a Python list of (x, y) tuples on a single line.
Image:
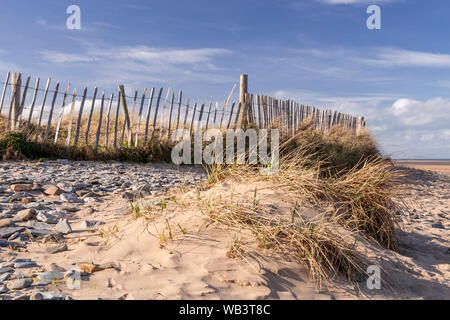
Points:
[(180, 255)]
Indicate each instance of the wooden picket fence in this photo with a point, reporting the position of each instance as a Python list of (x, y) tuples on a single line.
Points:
[(153, 114)]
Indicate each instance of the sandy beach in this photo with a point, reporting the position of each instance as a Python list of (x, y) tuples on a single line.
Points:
[(180, 255), (442, 166)]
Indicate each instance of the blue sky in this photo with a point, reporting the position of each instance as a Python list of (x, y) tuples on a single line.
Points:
[(319, 52)]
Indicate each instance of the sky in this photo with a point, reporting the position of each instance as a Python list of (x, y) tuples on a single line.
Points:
[(317, 52)]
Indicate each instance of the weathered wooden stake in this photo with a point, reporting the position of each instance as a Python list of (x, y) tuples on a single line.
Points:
[(80, 114), (61, 113), (139, 118), (108, 112), (33, 102), (72, 109), (243, 90), (50, 115), (8, 75), (86, 139), (149, 109), (97, 137)]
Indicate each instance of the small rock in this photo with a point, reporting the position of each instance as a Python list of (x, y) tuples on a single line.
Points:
[(3, 289), (21, 187), (57, 248), (46, 217), (67, 208), (39, 225), (53, 191), (69, 197), (438, 226), (5, 270), (25, 265), (63, 226), (66, 187), (5, 276), (86, 224), (25, 215), (20, 284), (54, 237), (53, 296), (58, 212), (36, 296), (50, 276), (8, 231), (6, 223)]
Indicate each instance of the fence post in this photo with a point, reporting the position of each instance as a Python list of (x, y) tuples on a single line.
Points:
[(2, 99), (16, 84), (243, 90), (126, 114)]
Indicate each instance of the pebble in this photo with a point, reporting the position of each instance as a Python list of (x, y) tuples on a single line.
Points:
[(25, 215), (5, 270), (21, 187), (57, 249), (25, 265), (53, 191), (63, 226), (36, 200), (69, 197), (50, 275), (46, 217), (20, 284), (6, 223), (89, 224)]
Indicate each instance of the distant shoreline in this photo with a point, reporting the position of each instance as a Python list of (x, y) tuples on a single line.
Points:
[(442, 166)]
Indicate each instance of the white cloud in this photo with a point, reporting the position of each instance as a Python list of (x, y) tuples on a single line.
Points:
[(404, 127), (401, 57), (434, 112), (63, 57)]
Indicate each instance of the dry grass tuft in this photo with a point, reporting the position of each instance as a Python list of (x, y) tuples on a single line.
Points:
[(325, 253)]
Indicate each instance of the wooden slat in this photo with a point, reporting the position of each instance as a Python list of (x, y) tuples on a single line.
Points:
[(169, 126), (72, 110), (16, 83), (33, 102), (191, 128), (22, 101), (149, 109), (80, 114), (156, 112), (8, 75), (215, 114), (126, 115), (199, 126), (133, 108), (88, 127), (116, 121), (238, 114), (42, 110), (61, 112), (185, 118), (108, 112), (225, 105), (161, 125), (50, 115), (99, 128), (207, 118), (231, 114), (180, 95), (139, 118)]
